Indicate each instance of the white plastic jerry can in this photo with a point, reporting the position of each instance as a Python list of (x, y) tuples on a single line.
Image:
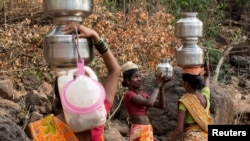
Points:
[(82, 99)]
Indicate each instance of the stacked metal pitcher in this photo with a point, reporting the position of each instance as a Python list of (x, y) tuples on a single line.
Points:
[(58, 48), (189, 29)]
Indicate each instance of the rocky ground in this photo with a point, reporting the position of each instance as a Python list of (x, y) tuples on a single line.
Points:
[(20, 107)]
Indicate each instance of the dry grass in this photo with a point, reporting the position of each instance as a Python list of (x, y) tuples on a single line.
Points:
[(17, 10)]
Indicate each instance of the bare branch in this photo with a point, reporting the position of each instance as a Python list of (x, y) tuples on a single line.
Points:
[(217, 70)]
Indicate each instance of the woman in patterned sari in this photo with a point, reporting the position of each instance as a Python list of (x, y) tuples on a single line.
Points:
[(193, 106), (54, 128)]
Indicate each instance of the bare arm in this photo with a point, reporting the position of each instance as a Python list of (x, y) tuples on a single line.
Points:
[(179, 127), (111, 82), (140, 100), (158, 91), (206, 75), (161, 100)]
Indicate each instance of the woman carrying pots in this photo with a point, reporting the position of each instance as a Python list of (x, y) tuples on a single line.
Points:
[(194, 106), (138, 101), (58, 129)]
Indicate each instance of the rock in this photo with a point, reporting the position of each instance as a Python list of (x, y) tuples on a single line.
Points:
[(112, 134), (6, 88), (120, 126), (243, 83), (234, 81), (12, 111), (8, 91), (10, 131), (222, 96), (46, 88), (38, 101), (241, 107), (30, 82), (239, 61), (35, 116)]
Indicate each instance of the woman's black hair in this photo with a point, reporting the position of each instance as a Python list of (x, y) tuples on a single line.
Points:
[(195, 81), (127, 75)]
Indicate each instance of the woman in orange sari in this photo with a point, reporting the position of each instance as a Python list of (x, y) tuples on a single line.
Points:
[(193, 107), (138, 101)]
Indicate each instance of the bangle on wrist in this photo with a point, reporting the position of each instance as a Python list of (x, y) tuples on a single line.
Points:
[(101, 46)]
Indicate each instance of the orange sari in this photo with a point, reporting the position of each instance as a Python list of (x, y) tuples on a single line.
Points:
[(200, 115), (139, 132), (51, 129)]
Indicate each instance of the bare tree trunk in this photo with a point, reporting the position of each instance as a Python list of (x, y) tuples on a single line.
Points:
[(217, 70), (5, 19)]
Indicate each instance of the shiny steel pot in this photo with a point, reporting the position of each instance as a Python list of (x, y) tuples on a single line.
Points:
[(62, 8), (165, 68), (60, 51), (190, 54), (189, 26)]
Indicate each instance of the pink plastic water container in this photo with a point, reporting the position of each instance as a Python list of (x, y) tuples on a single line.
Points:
[(82, 99)]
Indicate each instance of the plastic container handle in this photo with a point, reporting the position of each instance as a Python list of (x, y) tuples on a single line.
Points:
[(87, 70), (80, 67)]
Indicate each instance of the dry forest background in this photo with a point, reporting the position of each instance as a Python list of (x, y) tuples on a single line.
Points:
[(142, 31), (136, 36)]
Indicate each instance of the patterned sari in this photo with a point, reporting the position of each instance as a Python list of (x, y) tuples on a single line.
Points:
[(139, 132), (51, 128), (200, 115)]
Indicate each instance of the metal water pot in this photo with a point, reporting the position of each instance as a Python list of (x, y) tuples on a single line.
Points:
[(165, 68), (189, 26), (190, 54), (65, 8), (60, 51)]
